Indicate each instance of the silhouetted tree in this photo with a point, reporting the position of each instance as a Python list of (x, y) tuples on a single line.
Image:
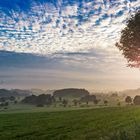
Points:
[(75, 102), (4, 104), (60, 99), (129, 42), (15, 102), (96, 101), (53, 99), (119, 104), (44, 99), (136, 100), (88, 98), (12, 98), (128, 100), (70, 92), (105, 102), (64, 102)]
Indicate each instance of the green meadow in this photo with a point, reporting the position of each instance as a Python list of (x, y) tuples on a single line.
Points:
[(110, 123)]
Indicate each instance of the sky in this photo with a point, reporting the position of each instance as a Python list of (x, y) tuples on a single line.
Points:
[(52, 44)]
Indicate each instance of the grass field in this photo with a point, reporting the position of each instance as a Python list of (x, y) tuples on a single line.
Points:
[(86, 124)]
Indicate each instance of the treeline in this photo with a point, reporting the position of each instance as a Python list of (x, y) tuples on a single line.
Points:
[(40, 100), (62, 97), (135, 101)]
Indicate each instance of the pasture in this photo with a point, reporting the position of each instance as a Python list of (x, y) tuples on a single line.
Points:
[(110, 123)]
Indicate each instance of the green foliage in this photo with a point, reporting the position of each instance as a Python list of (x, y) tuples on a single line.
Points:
[(130, 41), (71, 92), (137, 100), (128, 99), (43, 99)]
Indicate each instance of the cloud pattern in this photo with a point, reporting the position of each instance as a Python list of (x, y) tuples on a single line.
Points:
[(47, 27)]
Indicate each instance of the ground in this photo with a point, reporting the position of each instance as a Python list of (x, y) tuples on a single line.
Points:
[(116, 123)]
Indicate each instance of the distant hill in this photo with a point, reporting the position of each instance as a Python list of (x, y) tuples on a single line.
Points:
[(14, 92), (131, 92), (40, 91), (71, 92)]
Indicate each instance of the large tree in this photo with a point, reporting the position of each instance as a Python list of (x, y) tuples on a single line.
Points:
[(129, 42)]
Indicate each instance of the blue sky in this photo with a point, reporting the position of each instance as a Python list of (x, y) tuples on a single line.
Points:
[(64, 43)]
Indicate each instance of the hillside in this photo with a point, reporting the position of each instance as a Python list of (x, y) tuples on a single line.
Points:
[(131, 92), (14, 92)]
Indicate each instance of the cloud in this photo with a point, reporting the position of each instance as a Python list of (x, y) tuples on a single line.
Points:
[(63, 43), (93, 69), (47, 27)]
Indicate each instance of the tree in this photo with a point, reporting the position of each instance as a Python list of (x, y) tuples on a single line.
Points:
[(4, 104), (64, 102), (44, 99), (105, 102), (75, 102), (129, 42), (96, 101), (137, 100), (60, 99), (12, 98), (88, 98), (15, 102), (128, 100)]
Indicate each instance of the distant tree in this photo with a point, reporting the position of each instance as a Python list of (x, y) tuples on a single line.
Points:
[(128, 100), (53, 99), (75, 102), (12, 98), (79, 102), (136, 100), (96, 101), (60, 99), (70, 92), (114, 94), (30, 99), (15, 102), (105, 102), (6, 104), (2, 99), (45, 99), (88, 98), (64, 102), (129, 42)]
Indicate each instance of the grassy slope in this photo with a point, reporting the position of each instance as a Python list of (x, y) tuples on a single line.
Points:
[(89, 124)]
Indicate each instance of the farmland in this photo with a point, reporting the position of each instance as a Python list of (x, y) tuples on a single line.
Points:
[(81, 124)]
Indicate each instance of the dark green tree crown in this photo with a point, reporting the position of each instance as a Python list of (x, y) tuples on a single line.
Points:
[(129, 42)]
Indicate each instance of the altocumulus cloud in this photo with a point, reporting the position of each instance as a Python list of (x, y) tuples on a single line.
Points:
[(50, 26)]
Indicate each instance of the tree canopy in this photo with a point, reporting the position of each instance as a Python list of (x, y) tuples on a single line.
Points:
[(128, 99), (129, 42)]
